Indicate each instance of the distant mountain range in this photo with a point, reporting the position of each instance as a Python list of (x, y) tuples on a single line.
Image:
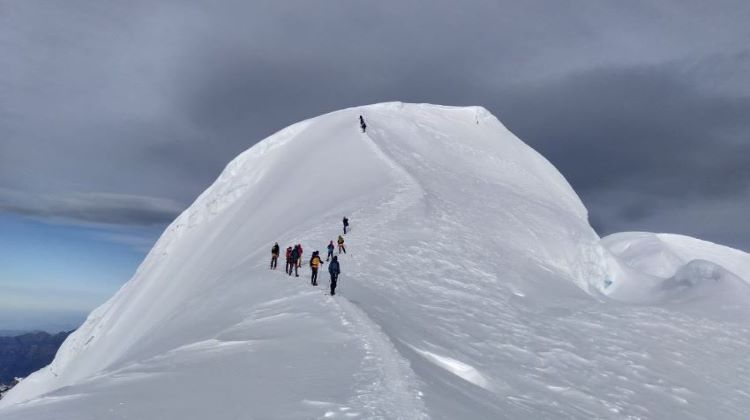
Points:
[(23, 354), (13, 333)]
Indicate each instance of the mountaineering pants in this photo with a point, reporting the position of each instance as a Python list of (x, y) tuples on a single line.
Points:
[(289, 265), (330, 255), (345, 226), (299, 261), (314, 278), (274, 260), (334, 277), (342, 248)]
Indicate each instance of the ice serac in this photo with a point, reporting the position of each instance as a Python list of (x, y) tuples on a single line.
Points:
[(471, 289)]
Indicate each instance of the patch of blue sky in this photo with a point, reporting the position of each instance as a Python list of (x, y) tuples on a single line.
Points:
[(54, 274)]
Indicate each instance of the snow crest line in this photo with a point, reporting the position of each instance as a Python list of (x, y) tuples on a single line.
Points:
[(409, 193)]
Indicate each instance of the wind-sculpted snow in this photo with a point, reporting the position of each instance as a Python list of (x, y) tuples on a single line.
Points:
[(473, 288), (673, 268)]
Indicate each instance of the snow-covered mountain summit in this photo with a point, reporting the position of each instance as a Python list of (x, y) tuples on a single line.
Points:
[(474, 286)]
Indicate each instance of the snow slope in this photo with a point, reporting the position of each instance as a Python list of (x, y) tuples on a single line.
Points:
[(474, 286)]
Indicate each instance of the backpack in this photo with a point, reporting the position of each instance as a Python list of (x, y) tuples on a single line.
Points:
[(315, 261)]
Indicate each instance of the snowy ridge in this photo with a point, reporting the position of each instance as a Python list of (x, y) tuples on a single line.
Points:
[(474, 287)]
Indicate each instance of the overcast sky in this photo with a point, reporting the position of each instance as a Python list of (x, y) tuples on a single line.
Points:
[(115, 115)]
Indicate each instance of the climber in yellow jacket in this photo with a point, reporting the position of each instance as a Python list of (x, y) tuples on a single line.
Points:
[(315, 263)]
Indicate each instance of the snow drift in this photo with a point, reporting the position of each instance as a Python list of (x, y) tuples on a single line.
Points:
[(668, 268), (474, 286)]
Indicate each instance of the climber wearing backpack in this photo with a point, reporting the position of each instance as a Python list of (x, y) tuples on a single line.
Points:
[(299, 259), (295, 258), (331, 247), (334, 269), (274, 255), (341, 245), (346, 224), (315, 262), (289, 260), (362, 124)]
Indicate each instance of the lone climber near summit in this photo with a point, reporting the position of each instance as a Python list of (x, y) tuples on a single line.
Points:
[(346, 224), (362, 124)]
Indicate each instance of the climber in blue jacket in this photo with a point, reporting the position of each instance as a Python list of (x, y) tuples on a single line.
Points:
[(334, 270)]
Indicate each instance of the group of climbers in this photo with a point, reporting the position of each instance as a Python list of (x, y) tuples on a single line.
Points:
[(294, 260), (294, 254)]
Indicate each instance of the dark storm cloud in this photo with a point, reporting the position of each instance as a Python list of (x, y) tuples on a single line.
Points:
[(648, 129), (657, 141), (641, 105), (655, 148)]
